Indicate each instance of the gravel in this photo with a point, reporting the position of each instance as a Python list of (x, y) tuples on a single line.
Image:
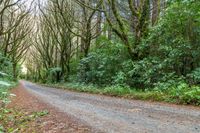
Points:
[(116, 115)]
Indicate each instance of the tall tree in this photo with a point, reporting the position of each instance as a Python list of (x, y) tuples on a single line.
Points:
[(138, 26)]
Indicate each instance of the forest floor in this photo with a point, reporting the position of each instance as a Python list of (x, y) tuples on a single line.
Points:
[(81, 112), (54, 122)]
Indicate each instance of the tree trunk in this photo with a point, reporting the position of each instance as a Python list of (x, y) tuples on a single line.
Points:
[(14, 71), (99, 21), (155, 11)]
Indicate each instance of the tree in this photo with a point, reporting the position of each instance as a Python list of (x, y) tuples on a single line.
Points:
[(87, 25), (14, 30), (54, 41), (137, 27)]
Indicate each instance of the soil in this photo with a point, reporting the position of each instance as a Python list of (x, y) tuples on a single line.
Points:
[(55, 122)]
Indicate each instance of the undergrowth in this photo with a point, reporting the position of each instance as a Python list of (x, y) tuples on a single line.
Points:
[(180, 93), (14, 120)]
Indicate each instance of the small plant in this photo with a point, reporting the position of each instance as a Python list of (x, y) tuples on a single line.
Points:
[(116, 90), (14, 120), (1, 129), (194, 76), (41, 113), (182, 93)]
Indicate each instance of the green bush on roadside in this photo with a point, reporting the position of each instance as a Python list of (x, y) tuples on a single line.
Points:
[(184, 94), (179, 93)]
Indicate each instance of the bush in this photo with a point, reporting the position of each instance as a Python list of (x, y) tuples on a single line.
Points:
[(102, 65), (54, 74), (194, 77), (172, 47), (192, 96), (180, 92), (5, 67)]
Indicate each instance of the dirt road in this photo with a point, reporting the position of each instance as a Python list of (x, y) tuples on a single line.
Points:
[(115, 115)]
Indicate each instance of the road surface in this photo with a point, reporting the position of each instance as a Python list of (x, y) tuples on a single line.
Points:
[(116, 115)]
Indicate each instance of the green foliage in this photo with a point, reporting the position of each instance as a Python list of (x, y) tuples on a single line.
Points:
[(184, 94), (5, 85), (5, 67), (172, 49), (11, 120), (14, 120), (116, 90), (5, 80), (179, 93), (166, 66), (167, 82), (194, 76), (120, 78), (177, 40), (51, 75), (4, 92), (39, 114), (1, 129), (191, 96), (169, 53), (103, 64)]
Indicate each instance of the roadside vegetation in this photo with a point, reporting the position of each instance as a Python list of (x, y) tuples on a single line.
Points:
[(14, 29), (145, 50), (12, 119), (137, 49), (142, 50), (178, 94)]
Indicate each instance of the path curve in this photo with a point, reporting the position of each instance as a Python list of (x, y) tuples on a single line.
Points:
[(116, 115)]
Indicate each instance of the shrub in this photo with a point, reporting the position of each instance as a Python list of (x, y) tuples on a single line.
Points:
[(54, 74), (172, 47), (102, 65), (5, 67), (194, 76), (184, 94)]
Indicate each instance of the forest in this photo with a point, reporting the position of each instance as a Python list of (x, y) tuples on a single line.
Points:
[(142, 49), (112, 64)]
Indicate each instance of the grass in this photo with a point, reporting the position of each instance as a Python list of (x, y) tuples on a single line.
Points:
[(181, 94), (116, 91)]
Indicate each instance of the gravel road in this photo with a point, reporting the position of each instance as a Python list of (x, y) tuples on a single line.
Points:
[(116, 115)]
